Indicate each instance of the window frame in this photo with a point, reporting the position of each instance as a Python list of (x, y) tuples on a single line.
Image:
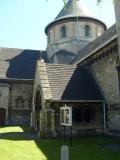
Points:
[(88, 32), (63, 32)]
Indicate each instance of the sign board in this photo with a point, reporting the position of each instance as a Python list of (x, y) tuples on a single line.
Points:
[(66, 116)]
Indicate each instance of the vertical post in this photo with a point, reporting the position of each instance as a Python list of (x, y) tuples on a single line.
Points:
[(71, 135), (104, 118), (64, 133), (54, 134), (32, 119)]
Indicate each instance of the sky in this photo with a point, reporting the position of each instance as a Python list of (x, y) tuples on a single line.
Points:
[(22, 22)]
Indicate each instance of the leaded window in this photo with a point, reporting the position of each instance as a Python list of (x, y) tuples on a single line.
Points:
[(87, 31), (63, 32)]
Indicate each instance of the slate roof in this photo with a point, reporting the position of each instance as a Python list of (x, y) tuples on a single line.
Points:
[(98, 43), (69, 82), (19, 63), (74, 8)]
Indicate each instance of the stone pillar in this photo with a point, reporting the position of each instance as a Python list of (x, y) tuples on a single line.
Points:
[(54, 134), (47, 123), (4, 99), (51, 123), (53, 120), (42, 124), (32, 124)]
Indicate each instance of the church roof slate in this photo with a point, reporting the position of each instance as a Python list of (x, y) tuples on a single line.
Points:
[(19, 63), (74, 8), (72, 82), (97, 44)]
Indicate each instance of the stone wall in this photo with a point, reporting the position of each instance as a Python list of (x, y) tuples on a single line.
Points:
[(75, 39), (62, 58), (4, 98), (107, 75), (42, 86), (92, 128), (104, 68), (117, 15), (20, 104)]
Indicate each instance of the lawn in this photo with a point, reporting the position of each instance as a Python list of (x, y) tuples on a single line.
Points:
[(17, 143)]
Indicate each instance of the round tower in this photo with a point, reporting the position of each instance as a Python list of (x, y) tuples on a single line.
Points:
[(73, 28)]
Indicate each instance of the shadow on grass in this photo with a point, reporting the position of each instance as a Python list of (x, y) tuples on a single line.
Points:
[(17, 133), (84, 148), (50, 148), (18, 136)]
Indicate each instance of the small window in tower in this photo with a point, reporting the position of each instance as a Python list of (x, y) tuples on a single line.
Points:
[(87, 31), (63, 32)]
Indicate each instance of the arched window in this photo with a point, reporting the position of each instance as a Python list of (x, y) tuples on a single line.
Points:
[(63, 32), (19, 102), (87, 31), (38, 105)]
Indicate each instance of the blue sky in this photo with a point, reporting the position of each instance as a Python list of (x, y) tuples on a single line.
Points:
[(22, 22)]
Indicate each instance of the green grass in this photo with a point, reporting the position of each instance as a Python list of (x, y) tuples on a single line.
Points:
[(15, 146)]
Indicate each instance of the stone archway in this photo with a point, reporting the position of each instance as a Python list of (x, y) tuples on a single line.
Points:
[(38, 108), (2, 116)]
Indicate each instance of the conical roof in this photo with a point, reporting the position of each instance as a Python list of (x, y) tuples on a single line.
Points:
[(74, 8)]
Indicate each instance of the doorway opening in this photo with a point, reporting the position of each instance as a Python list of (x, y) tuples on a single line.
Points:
[(2, 116), (38, 108)]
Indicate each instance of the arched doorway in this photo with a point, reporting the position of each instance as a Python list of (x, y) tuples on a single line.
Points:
[(2, 116), (38, 108)]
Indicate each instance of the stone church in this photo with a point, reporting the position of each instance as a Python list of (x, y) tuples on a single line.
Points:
[(80, 68)]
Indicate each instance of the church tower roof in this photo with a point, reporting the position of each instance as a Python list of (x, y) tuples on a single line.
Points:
[(74, 8)]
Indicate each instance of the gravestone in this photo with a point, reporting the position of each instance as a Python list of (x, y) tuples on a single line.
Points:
[(64, 152)]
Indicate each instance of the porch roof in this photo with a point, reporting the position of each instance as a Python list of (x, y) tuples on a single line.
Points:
[(72, 83)]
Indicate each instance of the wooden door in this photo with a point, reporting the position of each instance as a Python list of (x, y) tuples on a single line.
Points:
[(2, 116)]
